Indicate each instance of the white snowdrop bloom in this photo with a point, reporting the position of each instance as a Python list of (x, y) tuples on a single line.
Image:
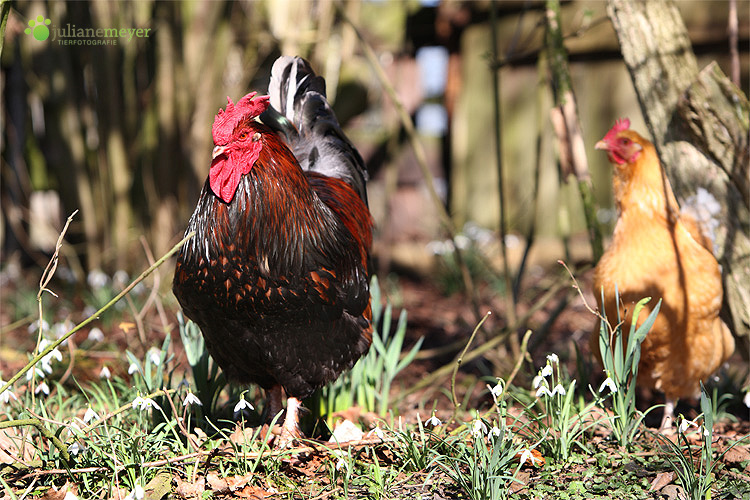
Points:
[(378, 432), (34, 326), (96, 334), (75, 449), (144, 403), (433, 421), (35, 371), (191, 399), (43, 387), (496, 391), (105, 373), (559, 389), (60, 329), (120, 279), (478, 428), (543, 390), (553, 358), (242, 405), (527, 455), (462, 241), (154, 355), (133, 368), (341, 462), (746, 400), (610, 384), (97, 279), (495, 431), (7, 394), (537, 381), (685, 423), (89, 415), (439, 247), (547, 370)]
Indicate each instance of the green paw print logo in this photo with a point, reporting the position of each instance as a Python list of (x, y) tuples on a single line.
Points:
[(38, 28)]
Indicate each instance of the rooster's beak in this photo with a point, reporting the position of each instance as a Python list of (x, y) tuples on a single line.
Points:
[(599, 145), (218, 150)]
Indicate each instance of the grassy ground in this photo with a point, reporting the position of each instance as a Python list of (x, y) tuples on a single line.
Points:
[(141, 412)]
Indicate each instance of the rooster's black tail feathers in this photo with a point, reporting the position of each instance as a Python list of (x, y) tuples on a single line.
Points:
[(299, 109)]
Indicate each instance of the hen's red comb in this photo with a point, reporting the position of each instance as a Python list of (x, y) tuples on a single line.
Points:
[(226, 120), (619, 126)]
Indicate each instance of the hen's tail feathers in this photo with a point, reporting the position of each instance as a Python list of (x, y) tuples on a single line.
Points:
[(300, 111)]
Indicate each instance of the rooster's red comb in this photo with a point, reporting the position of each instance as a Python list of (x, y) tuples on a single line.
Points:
[(246, 108), (619, 126)]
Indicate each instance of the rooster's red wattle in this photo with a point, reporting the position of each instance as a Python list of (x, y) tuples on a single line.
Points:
[(277, 274)]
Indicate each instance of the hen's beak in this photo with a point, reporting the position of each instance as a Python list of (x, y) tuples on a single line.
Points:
[(218, 150), (599, 145)]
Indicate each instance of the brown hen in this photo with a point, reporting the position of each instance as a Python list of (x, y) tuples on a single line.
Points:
[(658, 252)]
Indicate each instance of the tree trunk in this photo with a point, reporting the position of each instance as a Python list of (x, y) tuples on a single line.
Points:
[(699, 123)]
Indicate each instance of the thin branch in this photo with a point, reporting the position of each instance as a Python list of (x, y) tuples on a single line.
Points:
[(96, 315)]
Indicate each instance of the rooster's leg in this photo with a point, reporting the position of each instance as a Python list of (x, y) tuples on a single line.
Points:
[(290, 427), (668, 418), (275, 403)]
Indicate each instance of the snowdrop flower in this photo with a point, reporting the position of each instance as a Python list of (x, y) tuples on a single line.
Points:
[(120, 279), (495, 431), (433, 421), (74, 449), (559, 389), (608, 383), (136, 494), (478, 428), (242, 405), (6, 395), (105, 373), (746, 400), (39, 373), (341, 461), (53, 354), (552, 358), (96, 334), (543, 391), (537, 381), (97, 279), (34, 326), (154, 355), (191, 399), (527, 455), (496, 391), (143, 403), (378, 432), (43, 387), (547, 370), (89, 415), (133, 368), (685, 423), (462, 241)]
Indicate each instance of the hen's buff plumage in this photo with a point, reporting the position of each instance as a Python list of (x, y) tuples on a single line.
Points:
[(658, 252), (277, 274)]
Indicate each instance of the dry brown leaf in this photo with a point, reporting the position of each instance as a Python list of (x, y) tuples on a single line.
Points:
[(189, 490), (737, 455), (662, 479), (54, 494), (11, 442)]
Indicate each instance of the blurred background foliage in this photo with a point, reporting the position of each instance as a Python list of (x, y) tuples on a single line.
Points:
[(122, 131)]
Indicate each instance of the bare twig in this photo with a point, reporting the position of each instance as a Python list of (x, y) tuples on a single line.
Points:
[(421, 157), (460, 360), (96, 315)]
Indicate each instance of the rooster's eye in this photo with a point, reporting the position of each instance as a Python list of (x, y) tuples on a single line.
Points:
[(243, 136)]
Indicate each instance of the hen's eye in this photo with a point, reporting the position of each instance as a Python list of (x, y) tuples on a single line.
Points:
[(625, 142)]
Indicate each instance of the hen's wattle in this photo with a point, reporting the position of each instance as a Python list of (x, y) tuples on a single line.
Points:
[(277, 273)]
